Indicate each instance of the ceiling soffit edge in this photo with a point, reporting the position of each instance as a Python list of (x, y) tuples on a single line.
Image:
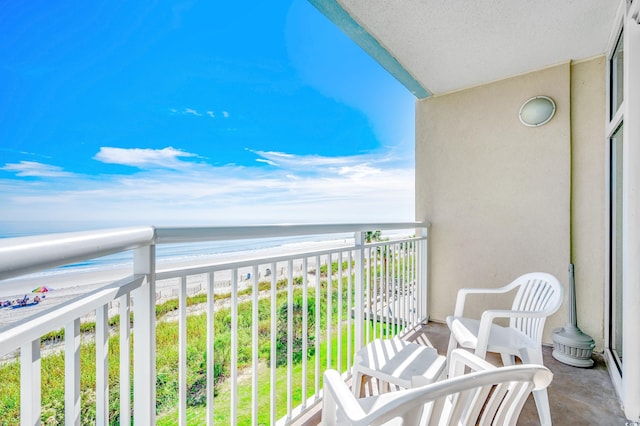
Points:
[(462, 89), (341, 17)]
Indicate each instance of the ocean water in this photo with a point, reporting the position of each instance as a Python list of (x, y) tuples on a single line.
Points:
[(165, 252)]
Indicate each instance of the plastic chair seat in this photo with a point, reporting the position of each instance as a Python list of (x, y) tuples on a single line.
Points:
[(397, 362), (487, 396), (501, 339)]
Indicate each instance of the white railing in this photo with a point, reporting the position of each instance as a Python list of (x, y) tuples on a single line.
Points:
[(312, 308)]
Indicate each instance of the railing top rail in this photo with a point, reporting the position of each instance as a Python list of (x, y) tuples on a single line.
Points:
[(16, 334), (23, 255), (220, 233)]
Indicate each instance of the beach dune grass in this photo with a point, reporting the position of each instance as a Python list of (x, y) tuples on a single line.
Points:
[(197, 415), (167, 362)]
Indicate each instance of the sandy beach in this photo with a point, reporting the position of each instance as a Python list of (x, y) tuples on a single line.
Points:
[(72, 283)]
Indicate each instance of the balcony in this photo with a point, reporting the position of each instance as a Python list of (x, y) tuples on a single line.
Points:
[(229, 339), (259, 314)]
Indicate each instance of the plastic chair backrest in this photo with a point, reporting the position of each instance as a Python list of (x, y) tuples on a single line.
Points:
[(538, 292), (492, 396)]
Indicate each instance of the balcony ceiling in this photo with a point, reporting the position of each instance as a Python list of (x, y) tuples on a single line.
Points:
[(445, 46)]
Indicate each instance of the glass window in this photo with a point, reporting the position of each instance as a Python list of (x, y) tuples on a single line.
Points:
[(616, 67), (616, 247)]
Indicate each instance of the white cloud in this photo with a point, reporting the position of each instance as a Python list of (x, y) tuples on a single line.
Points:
[(346, 165), (191, 111), (269, 162), (348, 191), (359, 171), (35, 169), (144, 157)]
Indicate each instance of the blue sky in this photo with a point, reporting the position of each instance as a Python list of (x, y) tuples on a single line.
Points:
[(196, 112)]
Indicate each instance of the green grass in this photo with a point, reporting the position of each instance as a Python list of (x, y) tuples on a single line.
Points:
[(222, 403), (167, 362)]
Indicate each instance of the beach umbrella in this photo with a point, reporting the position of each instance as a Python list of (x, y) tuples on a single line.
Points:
[(42, 289)]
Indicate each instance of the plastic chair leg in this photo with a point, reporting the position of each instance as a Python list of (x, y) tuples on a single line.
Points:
[(542, 404), (357, 381), (453, 343), (508, 359)]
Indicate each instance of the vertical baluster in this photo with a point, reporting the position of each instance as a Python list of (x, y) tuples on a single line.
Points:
[(102, 365), (72, 372), (403, 261), (374, 278), (407, 284), (339, 316), (317, 336), (358, 293), (396, 295), (125, 358), (415, 283), (144, 344), (368, 296), (254, 345), (349, 310), (234, 347), (289, 339), (398, 275), (424, 277), (305, 332), (182, 352), (416, 275), (329, 308), (381, 295), (30, 382), (401, 285), (274, 331), (389, 294), (210, 342), (382, 286)]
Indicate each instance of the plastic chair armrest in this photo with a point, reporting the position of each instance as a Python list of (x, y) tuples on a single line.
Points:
[(460, 359), (338, 394), (463, 292), (486, 320)]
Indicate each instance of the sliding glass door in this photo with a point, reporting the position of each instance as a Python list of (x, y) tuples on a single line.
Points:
[(616, 234), (616, 203)]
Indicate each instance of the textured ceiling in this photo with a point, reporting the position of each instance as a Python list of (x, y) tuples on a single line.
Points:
[(448, 45)]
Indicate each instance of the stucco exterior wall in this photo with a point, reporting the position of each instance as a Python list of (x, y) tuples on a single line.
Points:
[(588, 204), (497, 193)]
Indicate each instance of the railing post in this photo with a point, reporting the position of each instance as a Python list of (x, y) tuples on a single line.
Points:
[(102, 365), (144, 338), (423, 275), (30, 382), (125, 359), (358, 313), (72, 373)]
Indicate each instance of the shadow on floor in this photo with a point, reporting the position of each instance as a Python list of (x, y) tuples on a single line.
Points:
[(577, 396)]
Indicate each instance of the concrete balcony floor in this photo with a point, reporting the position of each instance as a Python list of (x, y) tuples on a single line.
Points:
[(581, 396)]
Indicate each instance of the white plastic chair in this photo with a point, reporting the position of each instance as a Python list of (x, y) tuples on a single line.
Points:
[(488, 395), (396, 362), (538, 295)]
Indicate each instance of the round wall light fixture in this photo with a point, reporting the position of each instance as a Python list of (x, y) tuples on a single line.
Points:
[(537, 111)]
